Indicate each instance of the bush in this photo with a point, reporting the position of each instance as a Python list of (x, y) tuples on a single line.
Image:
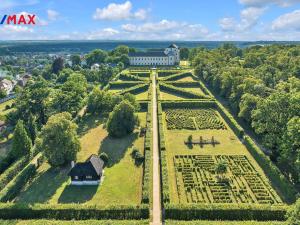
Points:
[(104, 157), (73, 211), (225, 212), (135, 89)]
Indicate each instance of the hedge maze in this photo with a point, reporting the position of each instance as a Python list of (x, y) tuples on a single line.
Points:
[(198, 182), (193, 119)]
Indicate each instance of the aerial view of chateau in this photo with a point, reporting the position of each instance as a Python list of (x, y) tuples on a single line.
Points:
[(130, 112)]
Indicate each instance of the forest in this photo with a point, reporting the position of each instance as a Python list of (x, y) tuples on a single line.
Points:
[(262, 86)]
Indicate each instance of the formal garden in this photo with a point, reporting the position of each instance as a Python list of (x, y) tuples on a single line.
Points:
[(210, 169)]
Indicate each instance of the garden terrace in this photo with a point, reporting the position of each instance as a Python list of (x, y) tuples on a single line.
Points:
[(198, 182), (188, 171)]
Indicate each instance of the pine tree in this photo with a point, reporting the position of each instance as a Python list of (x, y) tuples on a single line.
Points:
[(21, 145), (32, 128)]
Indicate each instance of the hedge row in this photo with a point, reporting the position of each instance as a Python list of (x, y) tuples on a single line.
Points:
[(124, 84), (204, 89), (14, 187), (73, 211), (194, 84), (78, 222), (163, 160), (140, 74), (237, 129), (164, 178), (225, 212), (147, 165), (277, 178), (180, 91), (136, 89), (207, 222), (12, 171), (128, 77), (198, 104), (177, 76), (164, 73)]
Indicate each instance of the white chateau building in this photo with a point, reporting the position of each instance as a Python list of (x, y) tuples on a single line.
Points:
[(169, 57)]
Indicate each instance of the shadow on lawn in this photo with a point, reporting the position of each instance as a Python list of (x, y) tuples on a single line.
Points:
[(116, 148), (45, 186), (77, 194), (89, 122)]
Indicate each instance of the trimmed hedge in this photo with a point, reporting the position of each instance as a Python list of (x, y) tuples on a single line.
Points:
[(135, 89), (277, 178), (73, 211), (14, 187), (164, 178), (180, 91), (198, 104), (128, 77), (6, 162), (225, 212), (207, 222), (147, 165), (78, 222), (237, 129), (124, 84), (177, 76), (193, 84), (12, 171)]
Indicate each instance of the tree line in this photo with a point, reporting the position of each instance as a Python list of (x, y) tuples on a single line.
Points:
[(262, 86)]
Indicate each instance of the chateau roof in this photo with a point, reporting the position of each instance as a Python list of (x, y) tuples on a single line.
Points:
[(173, 46), (147, 54)]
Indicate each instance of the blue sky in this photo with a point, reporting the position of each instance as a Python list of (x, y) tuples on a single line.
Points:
[(155, 20)]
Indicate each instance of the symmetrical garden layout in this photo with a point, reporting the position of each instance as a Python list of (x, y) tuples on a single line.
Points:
[(196, 134)]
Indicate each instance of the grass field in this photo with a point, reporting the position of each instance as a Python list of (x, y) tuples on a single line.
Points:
[(118, 187), (167, 95), (142, 96), (229, 145)]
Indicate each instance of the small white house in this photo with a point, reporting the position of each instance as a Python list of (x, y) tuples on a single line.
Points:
[(6, 85)]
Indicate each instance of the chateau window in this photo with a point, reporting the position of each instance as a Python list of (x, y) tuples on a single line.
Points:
[(89, 177), (76, 177)]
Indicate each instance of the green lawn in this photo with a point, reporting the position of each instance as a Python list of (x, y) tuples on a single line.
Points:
[(194, 89), (167, 95), (229, 145), (142, 96), (3, 111), (119, 186)]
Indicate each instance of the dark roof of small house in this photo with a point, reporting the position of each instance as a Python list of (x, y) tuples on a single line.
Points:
[(92, 166), (147, 54), (173, 46)]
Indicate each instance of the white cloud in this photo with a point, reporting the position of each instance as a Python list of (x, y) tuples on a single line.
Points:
[(52, 15), (262, 3), (288, 21), (116, 11), (248, 19), (165, 30), (106, 33)]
